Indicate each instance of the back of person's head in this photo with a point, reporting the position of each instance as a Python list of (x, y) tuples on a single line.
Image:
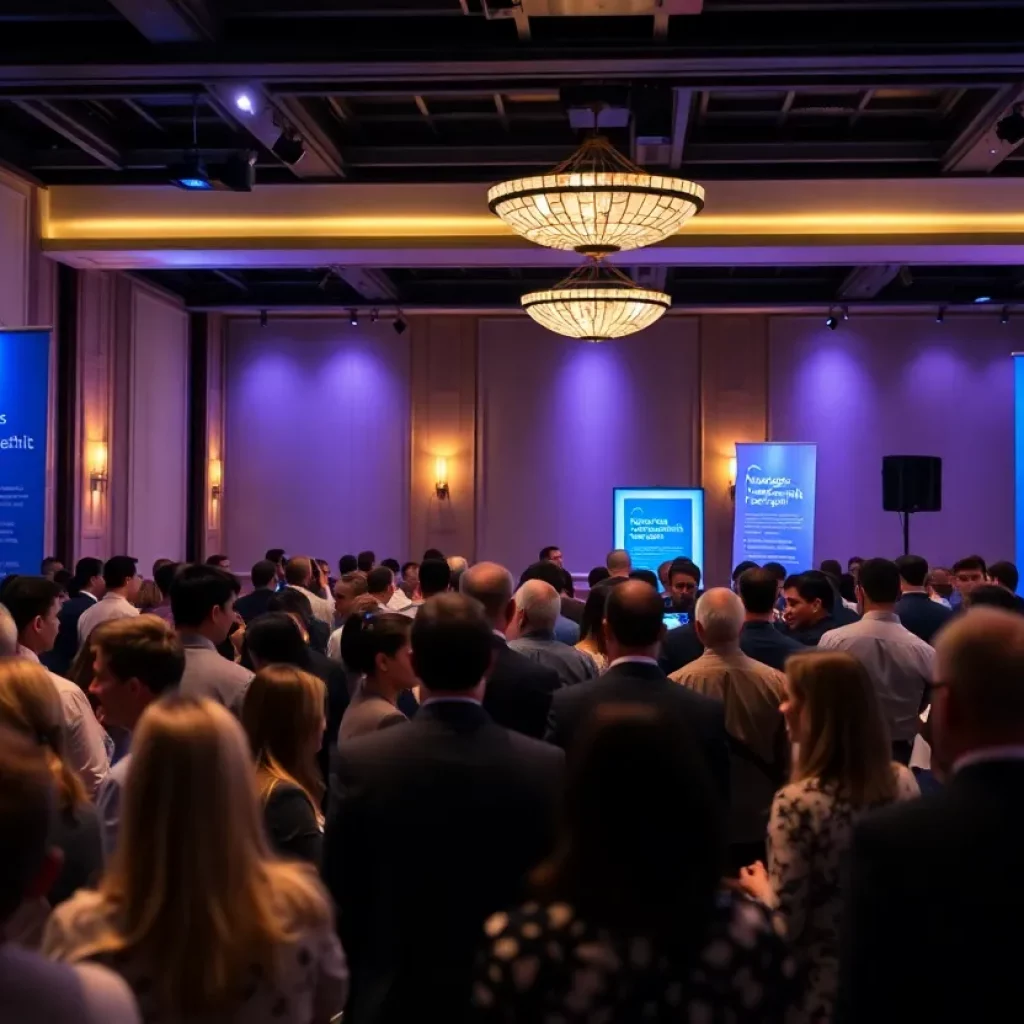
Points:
[(8, 634), (627, 770), (283, 716), (298, 571), (719, 615), (435, 577), (991, 595), (618, 561), (634, 615), (547, 552), (365, 561), (758, 589), (379, 581), (458, 566), (777, 569), (368, 634), (648, 576), (221, 561), (451, 643), (192, 775), (568, 586), (31, 705), (164, 576), (813, 586), (86, 571), (538, 602), (199, 589), (972, 563), (1005, 574), (841, 736), (433, 553), (592, 620), (353, 584), (28, 598), (263, 573), (50, 565), (880, 580), (596, 575), (144, 648), (742, 568), (149, 595), (275, 555), (119, 571), (832, 567), (491, 585), (854, 563), (274, 638), (347, 564), (848, 587), (913, 570), (27, 801), (294, 603), (392, 564), (546, 571)]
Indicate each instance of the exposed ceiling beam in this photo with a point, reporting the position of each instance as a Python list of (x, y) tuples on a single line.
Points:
[(868, 281), (682, 100), (655, 278), (319, 144), (977, 147), (232, 279), (170, 21), (87, 138), (373, 285)]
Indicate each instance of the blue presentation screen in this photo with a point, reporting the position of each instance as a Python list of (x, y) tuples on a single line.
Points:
[(657, 524), (774, 520), (24, 384)]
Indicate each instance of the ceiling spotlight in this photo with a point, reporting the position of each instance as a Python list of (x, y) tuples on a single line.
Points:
[(1010, 129), (1005, 318), (940, 316), (399, 325), (983, 298), (832, 321), (244, 103), (289, 147), (264, 318), (846, 312), (353, 318)]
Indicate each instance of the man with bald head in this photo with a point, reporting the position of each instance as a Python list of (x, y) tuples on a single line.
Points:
[(298, 575), (532, 634), (633, 630), (932, 905), (518, 694), (619, 563), (751, 695)]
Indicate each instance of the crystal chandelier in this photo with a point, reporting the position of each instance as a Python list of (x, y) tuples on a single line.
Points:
[(596, 202), (596, 303)]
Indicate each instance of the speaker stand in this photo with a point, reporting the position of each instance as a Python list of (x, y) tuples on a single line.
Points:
[(905, 516)]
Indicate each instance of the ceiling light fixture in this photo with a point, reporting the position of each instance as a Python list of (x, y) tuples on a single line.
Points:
[(1005, 317), (289, 147), (244, 103), (596, 302), (832, 321), (940, 316), (399, 326), (596, 202), (353, 318)]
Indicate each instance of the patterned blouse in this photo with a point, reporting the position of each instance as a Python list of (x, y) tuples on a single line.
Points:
[(810, 831), (544, 964)]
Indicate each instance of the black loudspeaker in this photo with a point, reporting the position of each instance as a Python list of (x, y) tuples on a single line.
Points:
[(912, 483)]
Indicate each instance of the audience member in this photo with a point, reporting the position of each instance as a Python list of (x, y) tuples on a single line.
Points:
[(136, 661), (968, 573), (940, 585), (633, 629), (567, 630), (466, 804), (347, 564), (598, 575), (380, 585), (519, 689), (283, 716), (628, 920), (298, 574), (32, 602), (619, 563), (853, 566), (1005, 575), (810, 602), (915, 609), (435, 578), (433, 554), (316, 632), (458, 566), (683, 585), (366, 561), (928, 917), (277, 556), (121, 582), (532, 634), (202, 602), (346, 590), (760, 640), (832, 567), (410, 581), (163, 578), (34, 990), (739, 570), (264, 582), (648, 576), (898, 663), (991, 595), (219, 562), (552, 553), (842, 769), (592, 639), (50, 567), (751, 695), (214, 928), (86, 589)]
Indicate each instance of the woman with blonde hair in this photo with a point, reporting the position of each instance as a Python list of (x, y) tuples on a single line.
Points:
[(196, 914), (842, 769), (283, 716), (30, 704)]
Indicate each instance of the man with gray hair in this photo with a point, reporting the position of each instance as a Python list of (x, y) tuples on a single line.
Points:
[(532, 634), (751, 694)]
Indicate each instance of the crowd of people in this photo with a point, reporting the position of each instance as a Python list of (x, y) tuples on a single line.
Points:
[(431, 791)]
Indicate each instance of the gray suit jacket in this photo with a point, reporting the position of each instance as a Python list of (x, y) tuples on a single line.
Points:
[(208, 674)]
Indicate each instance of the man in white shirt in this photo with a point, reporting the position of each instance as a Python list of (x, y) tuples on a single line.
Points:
[(122, 580), (899, 663), (346, 590), (298, 574), (33, 602)]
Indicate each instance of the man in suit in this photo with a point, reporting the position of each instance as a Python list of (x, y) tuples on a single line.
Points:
[(89, 587), (454, 803), (811, 607), (760, 639), (264, 581), (915, 608), (633, 631), (518, 694), (931, 909)]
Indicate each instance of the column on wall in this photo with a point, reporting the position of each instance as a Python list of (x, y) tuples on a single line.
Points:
[(443, 392), (734, 407)]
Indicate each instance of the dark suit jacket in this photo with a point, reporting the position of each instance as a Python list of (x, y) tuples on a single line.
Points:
[(764, 643), (572, 609), (679, 648), (518, 694), (932, 908), (921, 615), (254, 604), (809, 637), (698, 717), (465, 806), (336, 681), (65, 647)]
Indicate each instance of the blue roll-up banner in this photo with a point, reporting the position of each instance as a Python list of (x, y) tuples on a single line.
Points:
[(24, 394), (657, 524), (774, 519)]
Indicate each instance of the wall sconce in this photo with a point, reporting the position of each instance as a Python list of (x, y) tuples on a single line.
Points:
[(732, 478), (441, 479), (216, 480), (97, 455)]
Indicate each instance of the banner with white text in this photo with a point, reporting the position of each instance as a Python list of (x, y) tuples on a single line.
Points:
[(774, 520), (658, 524), (24, 387)]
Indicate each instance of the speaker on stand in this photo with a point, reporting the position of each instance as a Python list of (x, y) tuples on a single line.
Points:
[(911, 483)]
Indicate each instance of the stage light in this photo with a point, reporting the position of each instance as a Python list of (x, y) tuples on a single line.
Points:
[(399, 326), (1005, 318), (353, 318), (244, 103), (831, 321), (191, 174), (289, 147), (264, 318)]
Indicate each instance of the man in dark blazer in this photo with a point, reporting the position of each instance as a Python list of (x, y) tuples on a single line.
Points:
[(435, 826), (759, 638), (633, 631), (917, 611), (88, 587), (518, 694), (932, 908), (264, 581)]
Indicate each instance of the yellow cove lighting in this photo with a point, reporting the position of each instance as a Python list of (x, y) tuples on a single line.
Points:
[(782, 224)]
